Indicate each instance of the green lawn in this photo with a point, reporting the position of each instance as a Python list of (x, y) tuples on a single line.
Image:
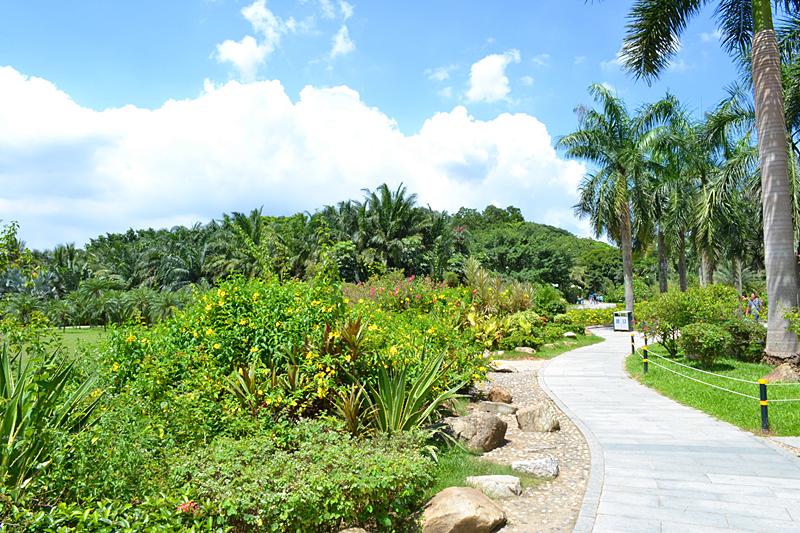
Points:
[(74, 337), (549, 353), (784, 418), (456, 465)]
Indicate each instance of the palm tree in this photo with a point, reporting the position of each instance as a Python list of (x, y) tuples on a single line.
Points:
[(391, 217), (651, 42), (616, 198)]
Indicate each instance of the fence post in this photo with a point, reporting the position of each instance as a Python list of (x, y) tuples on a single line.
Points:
[(645, 359), (762, 389), (633, 345)]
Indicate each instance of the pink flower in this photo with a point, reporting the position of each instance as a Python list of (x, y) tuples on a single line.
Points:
[(189, 507)]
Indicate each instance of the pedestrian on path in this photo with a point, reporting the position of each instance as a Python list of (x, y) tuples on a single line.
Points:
[(754, 306)]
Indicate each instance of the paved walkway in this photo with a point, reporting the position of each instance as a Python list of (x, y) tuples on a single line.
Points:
[(658, 466)]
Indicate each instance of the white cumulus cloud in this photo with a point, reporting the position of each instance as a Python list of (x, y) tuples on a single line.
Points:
[(580, 59), (487, 78), (543, 60), (347, 9), (526, 80), (249, 54), (70, 173), (440, 73), (342, 44), (612, 64), (716, 35)]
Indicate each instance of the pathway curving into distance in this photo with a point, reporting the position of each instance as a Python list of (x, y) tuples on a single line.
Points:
[(658, 466)]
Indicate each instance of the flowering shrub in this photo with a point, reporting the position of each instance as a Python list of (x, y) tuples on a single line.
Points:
[(592, 317)]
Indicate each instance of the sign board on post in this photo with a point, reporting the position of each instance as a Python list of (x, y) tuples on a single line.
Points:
[(623, 321)]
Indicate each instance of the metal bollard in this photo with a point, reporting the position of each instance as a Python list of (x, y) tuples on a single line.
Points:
[(762, 389), (645, 359), (633, 345)]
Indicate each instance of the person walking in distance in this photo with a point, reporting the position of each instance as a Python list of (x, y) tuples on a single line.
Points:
[(754, 305)]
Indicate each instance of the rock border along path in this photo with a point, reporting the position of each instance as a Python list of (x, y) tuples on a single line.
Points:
[(658, 466)]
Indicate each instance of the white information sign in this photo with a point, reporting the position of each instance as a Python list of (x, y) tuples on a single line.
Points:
[(621, 322)]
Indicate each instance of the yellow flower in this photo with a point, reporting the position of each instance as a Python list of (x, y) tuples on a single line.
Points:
[(115, 367), (216, 346), (242, 322), (131, 338), (210, 331)]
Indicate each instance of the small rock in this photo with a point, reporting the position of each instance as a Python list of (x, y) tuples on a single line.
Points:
[(540, 417), (570, 335), (496, 487), (499, 394), (546, 467), (479, 431), (353, 530), (785, 373), (497, 408), (549, 345), (588, 332), (570, 343), (524, 349), (461, 510), (502, 368)]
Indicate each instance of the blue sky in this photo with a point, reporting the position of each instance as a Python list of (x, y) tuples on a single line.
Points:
[(123, 114)]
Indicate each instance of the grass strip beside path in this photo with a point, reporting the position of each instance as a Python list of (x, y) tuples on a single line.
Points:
[(549, 353), (784, 417)]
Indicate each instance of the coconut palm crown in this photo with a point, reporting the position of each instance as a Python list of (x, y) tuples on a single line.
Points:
[(747, 29)]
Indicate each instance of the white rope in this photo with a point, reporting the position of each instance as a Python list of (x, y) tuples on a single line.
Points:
[(703, 371), (704, 383), (785, 400)]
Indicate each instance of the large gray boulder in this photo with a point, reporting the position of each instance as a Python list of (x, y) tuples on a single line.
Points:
[(461, 510), (546, 467), (499, 394), (479, 431), (785, 373), (540, 417), (496, 487), (497, 408)]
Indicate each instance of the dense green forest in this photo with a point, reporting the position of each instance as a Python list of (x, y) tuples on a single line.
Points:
[(148, 272)]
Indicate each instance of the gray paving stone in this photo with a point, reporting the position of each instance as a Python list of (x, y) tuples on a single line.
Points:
[(616, 524), (663, 466)]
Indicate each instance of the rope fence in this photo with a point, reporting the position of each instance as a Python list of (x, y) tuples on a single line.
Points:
[(645, 354)]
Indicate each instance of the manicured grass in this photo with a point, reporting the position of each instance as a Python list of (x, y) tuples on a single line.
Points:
[(74, 337), (549, 353), (784, 417), (456, 465)]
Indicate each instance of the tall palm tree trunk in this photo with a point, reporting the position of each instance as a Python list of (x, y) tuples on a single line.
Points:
[(626, 243), (736, 272), (706, 270), (662, 262), (779, 258), (682, 262)]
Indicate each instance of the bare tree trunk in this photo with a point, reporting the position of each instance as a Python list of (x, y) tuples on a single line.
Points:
[(682, 262), (736, 272), (662, 262), (779, 255), (626, 238), (707, 270)]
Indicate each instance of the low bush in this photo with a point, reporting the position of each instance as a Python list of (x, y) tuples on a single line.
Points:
[(705, 342), (328, 482), (748, 337), (592, 317), (562, 319), (520, 339)]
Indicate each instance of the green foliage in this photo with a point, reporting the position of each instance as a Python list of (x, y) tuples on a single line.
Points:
[(748, 338), (329, 480), (562, 319), (398, 407), (705, 342), (593, 317), (665, 317), (161, 514), (37, 401)]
